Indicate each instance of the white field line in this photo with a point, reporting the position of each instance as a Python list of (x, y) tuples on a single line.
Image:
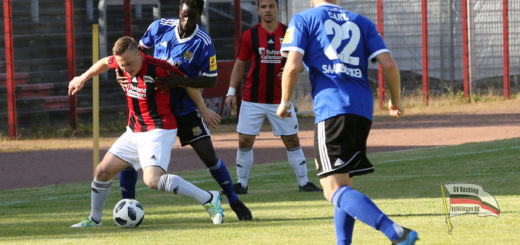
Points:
[(254, 176), (464, 153)]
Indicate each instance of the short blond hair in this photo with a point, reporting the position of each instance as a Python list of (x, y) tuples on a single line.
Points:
[(123, 44)]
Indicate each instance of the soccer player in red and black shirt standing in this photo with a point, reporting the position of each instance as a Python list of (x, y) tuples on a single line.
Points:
[(261, 96), (150, 133)]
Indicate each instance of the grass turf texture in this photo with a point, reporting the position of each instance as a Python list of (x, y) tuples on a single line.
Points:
[(405, 185)]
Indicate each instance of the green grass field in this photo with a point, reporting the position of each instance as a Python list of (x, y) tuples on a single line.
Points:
[(405, 185)]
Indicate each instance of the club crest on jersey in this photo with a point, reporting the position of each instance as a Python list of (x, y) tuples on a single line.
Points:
[(196, 131), (188, 55)]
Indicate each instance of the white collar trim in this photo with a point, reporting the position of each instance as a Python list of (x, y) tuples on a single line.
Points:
[(183, 40)]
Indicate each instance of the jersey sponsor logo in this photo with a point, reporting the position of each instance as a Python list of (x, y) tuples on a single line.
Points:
[(213, 63), (134, 91), (340, 68), (288, 38), (268, 56)]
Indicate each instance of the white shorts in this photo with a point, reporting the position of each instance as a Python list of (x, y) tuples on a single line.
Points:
[(143, 149), (251, 118)]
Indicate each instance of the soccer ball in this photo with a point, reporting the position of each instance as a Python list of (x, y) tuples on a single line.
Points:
[(128, 213)]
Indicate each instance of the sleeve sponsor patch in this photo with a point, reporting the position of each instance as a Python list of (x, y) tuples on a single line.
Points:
[(213, 63), (288, 38), (112, 63)]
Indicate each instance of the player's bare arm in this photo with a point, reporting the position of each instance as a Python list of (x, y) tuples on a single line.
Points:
[(393, 79), (291, 71), (77, 83), (234, 81), (210, 117)]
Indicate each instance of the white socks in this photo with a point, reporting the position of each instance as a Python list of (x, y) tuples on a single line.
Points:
[(244, 163), (295, 157), (297, 160), (177, 185), (98, 195)]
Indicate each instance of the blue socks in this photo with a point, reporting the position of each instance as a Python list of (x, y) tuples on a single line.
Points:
[(127, 183), (344, 225), (221, 175), (359, 206)]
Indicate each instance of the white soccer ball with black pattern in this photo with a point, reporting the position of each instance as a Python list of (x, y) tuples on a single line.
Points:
[(128, 213)]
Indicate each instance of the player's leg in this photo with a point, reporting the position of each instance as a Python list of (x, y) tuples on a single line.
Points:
[(344, 226), (100, 188), (297, 161), (244, 160), (122, 153), (250, 120), (217, 167), (340, 146), (154, 155), (127, 181), (192, 130), (336, 189), (105, 171), (218, 170), (288, 129)]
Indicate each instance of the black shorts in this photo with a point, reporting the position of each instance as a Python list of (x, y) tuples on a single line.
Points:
[(340, 145), (191, 128)]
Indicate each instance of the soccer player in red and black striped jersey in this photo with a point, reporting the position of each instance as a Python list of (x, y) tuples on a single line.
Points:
[(150, 133), (261, 96)]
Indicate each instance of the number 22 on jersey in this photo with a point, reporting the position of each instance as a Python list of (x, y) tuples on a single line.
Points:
[(348, 30)]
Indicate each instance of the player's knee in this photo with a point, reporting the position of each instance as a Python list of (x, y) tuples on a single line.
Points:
[(151, 182), (102, 173), (246, 141), (327, 194), (291, 141), (151, 177)]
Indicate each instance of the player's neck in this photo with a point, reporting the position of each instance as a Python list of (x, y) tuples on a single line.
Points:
[(183, 33), (271, 26)]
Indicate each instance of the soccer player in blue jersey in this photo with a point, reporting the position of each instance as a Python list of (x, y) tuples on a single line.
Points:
[(335, 45), (184, 44)]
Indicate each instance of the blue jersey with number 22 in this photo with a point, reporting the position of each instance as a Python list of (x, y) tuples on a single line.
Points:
[(336, 45)]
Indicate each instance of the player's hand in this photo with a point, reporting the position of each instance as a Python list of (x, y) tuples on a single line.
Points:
[(395, 110), (231, 101), (283, 111), (75, 85), (122, 79), (211, 118)]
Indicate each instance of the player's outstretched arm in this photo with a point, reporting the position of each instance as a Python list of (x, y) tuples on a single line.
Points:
[(291, 71), (393, 79), (234, 81), (77, 83), (211, 118)]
